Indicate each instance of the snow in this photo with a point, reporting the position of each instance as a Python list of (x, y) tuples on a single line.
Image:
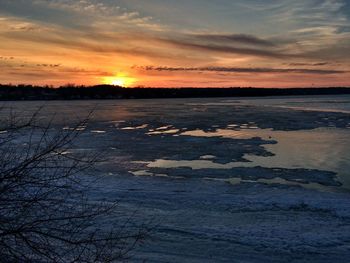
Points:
[(210, 210)]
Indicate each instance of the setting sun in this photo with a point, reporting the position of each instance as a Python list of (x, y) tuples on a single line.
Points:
[(119, 80)]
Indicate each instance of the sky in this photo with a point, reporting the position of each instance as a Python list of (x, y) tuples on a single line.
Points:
[(176, 43)]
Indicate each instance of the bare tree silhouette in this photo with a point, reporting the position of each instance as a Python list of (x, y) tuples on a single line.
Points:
[(45, 213)]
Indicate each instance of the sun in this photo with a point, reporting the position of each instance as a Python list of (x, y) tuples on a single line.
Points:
[(119, 80)]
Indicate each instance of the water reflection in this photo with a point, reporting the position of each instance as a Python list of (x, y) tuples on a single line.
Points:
[(235, 134), (207, 157), (194, 164), (143, 126), (320, 149), (158, 132), (98, 131), (146, 173)]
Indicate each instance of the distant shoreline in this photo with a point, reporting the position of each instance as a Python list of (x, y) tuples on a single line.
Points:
[(105, 92)]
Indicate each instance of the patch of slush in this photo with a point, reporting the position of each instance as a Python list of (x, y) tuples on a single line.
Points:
[(207, 157), (64, 153), (146, 173), (81, 128), (68, 128), (143, 126), (98, 131), (159, 132), (164, 128)]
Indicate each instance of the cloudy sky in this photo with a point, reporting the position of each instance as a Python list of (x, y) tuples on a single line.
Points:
[(168, 43)]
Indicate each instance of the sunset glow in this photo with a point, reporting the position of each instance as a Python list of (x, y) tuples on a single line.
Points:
[(176, 43), (119, 80)]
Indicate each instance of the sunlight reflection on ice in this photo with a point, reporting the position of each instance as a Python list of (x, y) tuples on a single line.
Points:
[(146, 173), (135, 128), (236, 134), (172, 131), (97, 131), (307, 149)]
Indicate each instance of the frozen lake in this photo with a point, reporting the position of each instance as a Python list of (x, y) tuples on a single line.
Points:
[(246, 179)]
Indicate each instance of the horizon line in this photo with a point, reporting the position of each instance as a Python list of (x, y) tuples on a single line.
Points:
[(72, 85)]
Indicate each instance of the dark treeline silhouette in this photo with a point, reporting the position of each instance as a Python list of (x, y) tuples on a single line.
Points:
[(71, 92)]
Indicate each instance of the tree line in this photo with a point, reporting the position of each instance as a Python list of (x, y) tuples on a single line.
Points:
[(72, 92)]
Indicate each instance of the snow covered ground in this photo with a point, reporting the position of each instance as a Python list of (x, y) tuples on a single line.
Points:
[(239, 180)]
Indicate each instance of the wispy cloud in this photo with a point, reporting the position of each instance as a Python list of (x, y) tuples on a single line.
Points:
[(260, 41), (236, 39), (109, 14), (227, 49), (309, 64), (244, 70)]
